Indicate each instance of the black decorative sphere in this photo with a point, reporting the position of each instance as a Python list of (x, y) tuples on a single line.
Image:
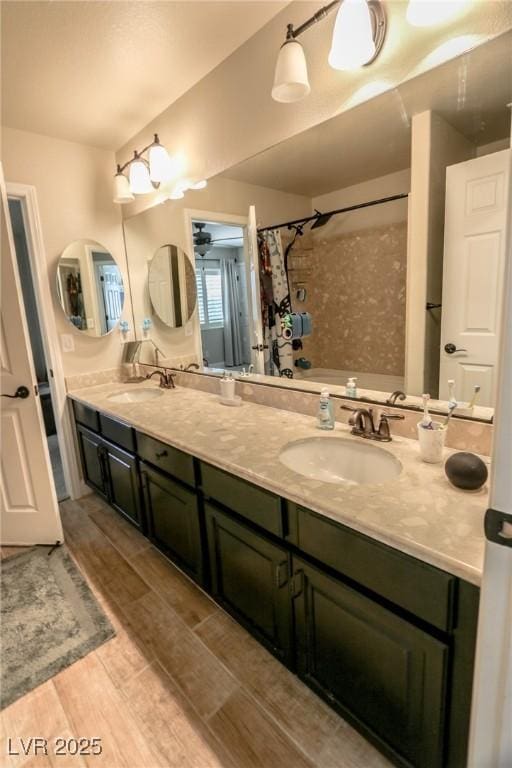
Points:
[(466, 471)]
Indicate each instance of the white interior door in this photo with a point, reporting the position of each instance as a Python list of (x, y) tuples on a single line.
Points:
[(477, 198), (253, 292), (29, 511)]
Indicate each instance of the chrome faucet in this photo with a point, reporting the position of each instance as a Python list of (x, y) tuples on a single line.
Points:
[(363, 424), (191, 365), (166, 379)]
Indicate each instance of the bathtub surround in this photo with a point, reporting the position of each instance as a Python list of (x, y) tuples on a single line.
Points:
[(50, 619), (356, 295)]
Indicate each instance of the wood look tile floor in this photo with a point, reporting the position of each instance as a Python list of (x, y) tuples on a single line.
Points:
[(181, 685)]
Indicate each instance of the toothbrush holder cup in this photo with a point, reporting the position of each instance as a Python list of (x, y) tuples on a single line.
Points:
[(431, 442)]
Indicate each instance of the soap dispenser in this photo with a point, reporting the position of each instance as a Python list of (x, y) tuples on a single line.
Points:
[(350, 387), (325, 411)]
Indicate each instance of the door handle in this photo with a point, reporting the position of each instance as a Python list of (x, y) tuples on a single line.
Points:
[(22, 392), (451, 348)]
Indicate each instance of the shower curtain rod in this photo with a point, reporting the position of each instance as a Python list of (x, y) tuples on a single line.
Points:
[(328, 214)]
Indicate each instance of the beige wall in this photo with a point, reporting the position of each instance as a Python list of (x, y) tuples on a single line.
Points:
[(73, 185), (230, 115), (166, 223), (375, 216)]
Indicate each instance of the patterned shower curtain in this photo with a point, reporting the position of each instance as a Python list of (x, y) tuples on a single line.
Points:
[(275, 303)]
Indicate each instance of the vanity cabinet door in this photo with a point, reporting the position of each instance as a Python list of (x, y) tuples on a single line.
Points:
[(93, 465), (173, 520), (123, 483), (379, 671), (250, 579)]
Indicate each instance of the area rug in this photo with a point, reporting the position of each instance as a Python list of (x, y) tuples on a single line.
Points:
[(49, 619)]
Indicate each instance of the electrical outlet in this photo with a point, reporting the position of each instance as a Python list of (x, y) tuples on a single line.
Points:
[(188, 329), (67, 342)]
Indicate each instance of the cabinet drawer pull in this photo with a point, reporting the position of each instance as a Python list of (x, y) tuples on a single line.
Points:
[(161, 454), (281, 574)]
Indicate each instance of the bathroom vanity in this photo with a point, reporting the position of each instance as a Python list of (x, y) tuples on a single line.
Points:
[(378, 624)]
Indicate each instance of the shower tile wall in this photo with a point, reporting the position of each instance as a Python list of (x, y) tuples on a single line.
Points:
[(356, 293)]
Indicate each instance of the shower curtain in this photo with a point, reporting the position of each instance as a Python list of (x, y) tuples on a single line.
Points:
[(275, 297), (233, 348)]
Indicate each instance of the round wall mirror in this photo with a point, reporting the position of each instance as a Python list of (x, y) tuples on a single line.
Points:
[(172, 286), (90, 287)]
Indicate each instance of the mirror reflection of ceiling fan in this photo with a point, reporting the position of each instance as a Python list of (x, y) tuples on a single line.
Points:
[(203, 240)]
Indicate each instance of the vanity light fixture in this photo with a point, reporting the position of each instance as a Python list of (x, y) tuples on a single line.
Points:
[(144, 174), (357, 40), (147, 174)]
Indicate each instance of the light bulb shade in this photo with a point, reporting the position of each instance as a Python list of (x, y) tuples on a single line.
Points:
[(291, 75), (140, 183), (122, 191), (160, 168), (353, 43), (425, 13), (199, 184)]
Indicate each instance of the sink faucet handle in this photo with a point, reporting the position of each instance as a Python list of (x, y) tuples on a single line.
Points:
[(395, 416)]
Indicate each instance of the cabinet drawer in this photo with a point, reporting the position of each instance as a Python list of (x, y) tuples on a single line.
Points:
[(166, 458), (255, 504), (86, 416), (117, 432), (417, 587)]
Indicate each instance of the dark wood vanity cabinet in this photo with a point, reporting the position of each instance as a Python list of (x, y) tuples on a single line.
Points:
[(174, 520), (378, 670), (384, 638), (93, 465), (111, 472), (250, 579), (123, 483)]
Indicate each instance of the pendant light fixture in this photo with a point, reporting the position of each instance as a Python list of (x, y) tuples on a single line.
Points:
[(358, 37), (147, 174)]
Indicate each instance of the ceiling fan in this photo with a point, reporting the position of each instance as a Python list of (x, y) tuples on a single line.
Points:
[(203, 241)]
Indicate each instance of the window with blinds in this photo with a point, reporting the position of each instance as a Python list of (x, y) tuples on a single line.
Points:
[(209, 297)]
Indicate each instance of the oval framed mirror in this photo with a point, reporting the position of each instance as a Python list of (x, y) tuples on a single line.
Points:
[(90, 287), (172, 286)]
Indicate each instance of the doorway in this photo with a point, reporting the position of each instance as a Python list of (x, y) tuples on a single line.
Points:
[(43, 370), (222, 294)]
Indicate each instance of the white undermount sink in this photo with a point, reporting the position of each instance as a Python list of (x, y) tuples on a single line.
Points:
[(136, 395), (339, 460)]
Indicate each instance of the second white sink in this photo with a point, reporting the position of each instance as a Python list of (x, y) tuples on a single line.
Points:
[(136, 395), (339, 460)]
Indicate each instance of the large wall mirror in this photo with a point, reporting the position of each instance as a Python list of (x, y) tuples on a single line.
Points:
[(90, 287), (382, 227), (172, 286), (381, 264)]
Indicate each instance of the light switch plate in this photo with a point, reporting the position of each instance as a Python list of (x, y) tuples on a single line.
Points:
[(188, 329), (67, 342)]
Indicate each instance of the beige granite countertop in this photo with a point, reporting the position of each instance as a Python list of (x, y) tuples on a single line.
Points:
[(419, 513)]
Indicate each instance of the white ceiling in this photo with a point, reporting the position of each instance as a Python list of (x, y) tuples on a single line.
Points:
[(97, 72), (371, 140)]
